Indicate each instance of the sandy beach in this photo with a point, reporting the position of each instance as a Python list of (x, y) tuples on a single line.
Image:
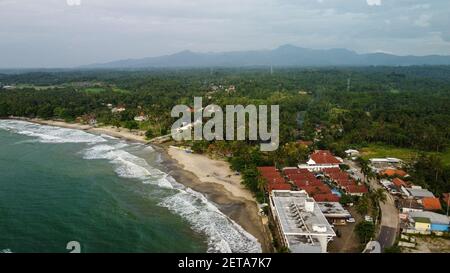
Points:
[(213, 178), (123, 133), (221, 185), (211, 171)]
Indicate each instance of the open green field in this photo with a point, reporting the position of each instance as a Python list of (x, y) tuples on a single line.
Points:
[(94, 90), (97, 90), (377, 150), (446, 157)]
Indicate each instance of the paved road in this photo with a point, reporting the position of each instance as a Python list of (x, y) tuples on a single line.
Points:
[(389, 213), (387, 235)]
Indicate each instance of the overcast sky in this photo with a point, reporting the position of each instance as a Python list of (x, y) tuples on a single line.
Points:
[(64, 33)]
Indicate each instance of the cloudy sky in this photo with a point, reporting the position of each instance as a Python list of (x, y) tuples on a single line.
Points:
[(64, 33)]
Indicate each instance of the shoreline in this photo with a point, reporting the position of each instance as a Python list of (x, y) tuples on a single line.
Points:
[(121, 133), (231, 198), (242, 210)]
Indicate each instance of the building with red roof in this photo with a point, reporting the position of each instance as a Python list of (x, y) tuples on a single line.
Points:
[(313, 190), (306, 183), (280, 186), (326, 197), (357, 190), (324, 157), (320, 160), (399, 183), (274, 180), (342, 183), (431, 203), (393, 172)]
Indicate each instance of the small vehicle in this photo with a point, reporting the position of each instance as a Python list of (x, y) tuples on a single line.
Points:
[(368, 218), (350, 220)]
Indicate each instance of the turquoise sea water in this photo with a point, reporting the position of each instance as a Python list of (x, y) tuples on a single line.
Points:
[(59, 185)]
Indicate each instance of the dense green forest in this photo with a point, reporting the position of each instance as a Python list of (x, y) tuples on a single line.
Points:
[(337, 108)]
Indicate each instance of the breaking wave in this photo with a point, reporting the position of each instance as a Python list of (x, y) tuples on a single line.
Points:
[(224, 235), (49, 134)]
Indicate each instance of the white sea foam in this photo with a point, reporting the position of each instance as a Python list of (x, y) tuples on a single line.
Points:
[(127, 165), (224, 235), (49, 134), (7, 250)]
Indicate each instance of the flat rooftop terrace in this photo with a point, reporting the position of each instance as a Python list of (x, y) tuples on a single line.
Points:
[(302, 222)]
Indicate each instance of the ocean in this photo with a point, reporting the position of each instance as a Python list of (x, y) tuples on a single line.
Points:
[(61, 185)]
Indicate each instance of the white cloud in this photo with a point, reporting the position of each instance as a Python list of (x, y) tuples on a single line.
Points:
[(423, 21), (374, 2), (73, 2), (63, 33)]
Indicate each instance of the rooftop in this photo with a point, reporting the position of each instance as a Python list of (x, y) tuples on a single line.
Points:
[(399, 182), (431, 203), (302, 222), (333, 209), (324, 157), (433, 217), (420, 193), (410, 203), (326, 197), (394, 172)]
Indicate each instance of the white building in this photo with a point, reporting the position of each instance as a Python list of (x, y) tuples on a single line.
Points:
[(352, 153), (419, 193), (319, 160), (300, 222)]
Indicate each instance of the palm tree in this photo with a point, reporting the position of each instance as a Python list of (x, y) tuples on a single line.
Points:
[(380, 195), (261, 187)]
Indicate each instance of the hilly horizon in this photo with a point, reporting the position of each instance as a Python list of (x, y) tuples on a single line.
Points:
[(285, 55)]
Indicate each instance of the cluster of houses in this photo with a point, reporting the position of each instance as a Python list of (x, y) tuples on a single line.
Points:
[(117, 109), (419, 209), (321, 164), (304, 201), (345, 182), (320, 179), (217, 88), (121, 108), (90, 119)]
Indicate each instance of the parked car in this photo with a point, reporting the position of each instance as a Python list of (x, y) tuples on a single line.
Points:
[(350, 220), (368, 218)]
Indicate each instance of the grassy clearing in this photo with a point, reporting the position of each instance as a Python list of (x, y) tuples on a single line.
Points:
[(97, 90), (119, 90), (446, 157), (94, 90), (377, 150)]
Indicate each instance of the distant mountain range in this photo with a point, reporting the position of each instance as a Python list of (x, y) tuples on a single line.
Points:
[(286, 55)]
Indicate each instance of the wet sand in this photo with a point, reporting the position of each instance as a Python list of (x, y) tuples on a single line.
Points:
[(240, 209)]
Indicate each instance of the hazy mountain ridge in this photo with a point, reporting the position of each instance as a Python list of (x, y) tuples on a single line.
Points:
[(286, 55)]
